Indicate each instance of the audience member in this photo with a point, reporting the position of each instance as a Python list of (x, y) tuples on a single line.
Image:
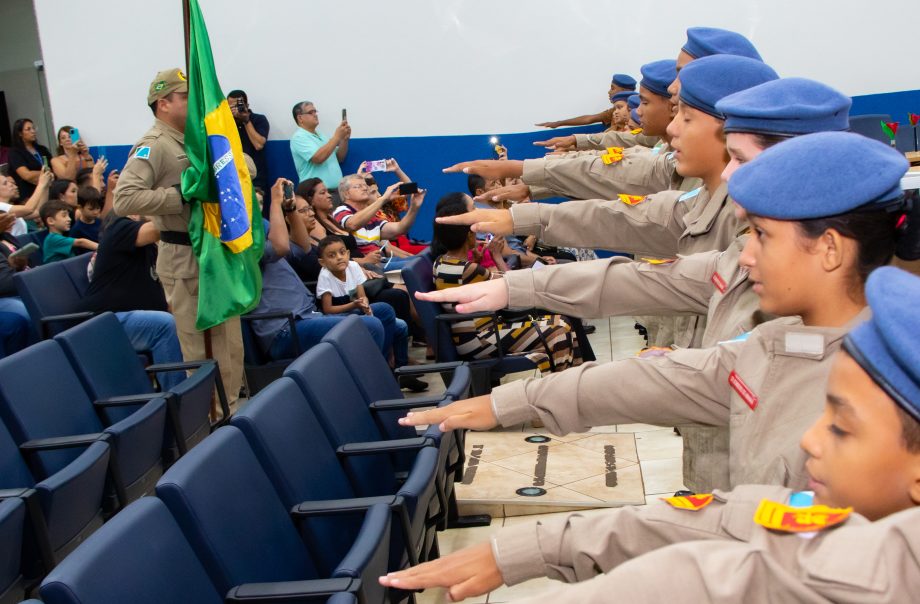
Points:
[(65, 191), (15, 323), (340, 289), (27, 157), (283, 291), (123, 280), (55, 216), (25, 211), (358, 214), (71, 156), (88, 220), (394, 207), (549, 342), (253, 129), (316, 155)]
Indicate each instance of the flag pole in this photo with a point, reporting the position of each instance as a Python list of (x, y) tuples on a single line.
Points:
[(185, 24)]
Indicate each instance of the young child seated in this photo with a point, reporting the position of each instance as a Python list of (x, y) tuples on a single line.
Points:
[(340, 289), (87, 222), (548, 341), (55, 215), (852, 538)]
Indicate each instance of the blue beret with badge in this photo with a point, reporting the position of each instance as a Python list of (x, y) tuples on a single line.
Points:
[(623, 81), (621, 96), (706, 81), (633, 101), (820, 175), (658, 75), (787, 106), (707, 41), (887, 346)]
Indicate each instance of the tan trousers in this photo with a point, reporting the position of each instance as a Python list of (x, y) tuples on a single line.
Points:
[(226, 338)]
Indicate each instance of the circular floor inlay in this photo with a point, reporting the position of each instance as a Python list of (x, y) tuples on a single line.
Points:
[(537, 439), (531, 492)]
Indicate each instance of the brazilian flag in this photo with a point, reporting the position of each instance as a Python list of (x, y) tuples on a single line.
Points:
[(225, 225)]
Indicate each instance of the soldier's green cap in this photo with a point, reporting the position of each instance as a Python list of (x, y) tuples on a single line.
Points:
[(166, 82)]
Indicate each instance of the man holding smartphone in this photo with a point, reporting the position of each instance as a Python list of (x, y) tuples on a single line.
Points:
[(253, 128), (315, 155)]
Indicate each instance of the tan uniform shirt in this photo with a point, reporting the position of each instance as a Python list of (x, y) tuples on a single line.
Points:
[(717, 554), (146, 187), (708, 283), (586, 176), (602, 140), (767, 389)]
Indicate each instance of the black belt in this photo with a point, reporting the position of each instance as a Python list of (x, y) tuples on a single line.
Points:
[(175, 237)]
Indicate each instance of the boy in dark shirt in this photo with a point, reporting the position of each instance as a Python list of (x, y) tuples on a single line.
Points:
[(87, 222), (56, 216)]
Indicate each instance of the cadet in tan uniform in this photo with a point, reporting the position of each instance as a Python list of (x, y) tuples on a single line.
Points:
[(757, 543), (664, 224), (620, 82), (150, 185), (801, 264)]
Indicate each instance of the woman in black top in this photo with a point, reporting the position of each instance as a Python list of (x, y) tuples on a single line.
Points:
[(27, 157)]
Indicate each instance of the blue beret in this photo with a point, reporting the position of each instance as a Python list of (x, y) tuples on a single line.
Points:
[(623, 81), (658, 75), (819, 175), (635, 117), (633, 101), (706, 81), (786, 106), (621, 96), (706, 41), (887, 346)]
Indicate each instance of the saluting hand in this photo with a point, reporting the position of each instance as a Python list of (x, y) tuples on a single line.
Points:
[(489, 168), (558, 143), (473, 413), (497, 222), (471, 571), (475, 297), (518, 192)]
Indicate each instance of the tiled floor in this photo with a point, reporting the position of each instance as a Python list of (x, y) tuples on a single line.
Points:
[(658, 450)]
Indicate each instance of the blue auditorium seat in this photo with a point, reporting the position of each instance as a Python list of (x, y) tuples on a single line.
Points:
[(289, 442), (139, 556), (63, 507), (261, 370), (52, 293), (41, 397), (12, 527), (101, 353), (36, 258), (243, 533)]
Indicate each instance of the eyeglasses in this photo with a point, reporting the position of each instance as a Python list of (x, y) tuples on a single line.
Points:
[(306, 210), (310, 112), (359, 185)]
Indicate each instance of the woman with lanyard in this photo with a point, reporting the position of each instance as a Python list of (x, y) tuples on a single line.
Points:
[(820, 223), (712, 283), (27, 157)]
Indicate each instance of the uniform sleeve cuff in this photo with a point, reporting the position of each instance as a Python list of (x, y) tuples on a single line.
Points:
[(534, 172), (173, 202), (541, 192), (517, 553), (526, 219), (509, 403), (520, 289), (582, 142)]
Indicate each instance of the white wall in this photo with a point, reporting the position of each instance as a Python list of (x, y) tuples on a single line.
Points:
[(441, 67)]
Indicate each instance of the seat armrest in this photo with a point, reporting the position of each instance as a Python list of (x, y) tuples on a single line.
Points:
[(455, 316), (182, 366), (332, 507), (428, 368), (74, 317), (292, 324), (22, 493), (395, 404), (127, 400), (61, 442), (292, 591), (384, 446)]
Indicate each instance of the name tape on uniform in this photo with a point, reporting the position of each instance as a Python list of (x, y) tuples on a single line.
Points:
[(788, 519), (746, 394), (805, 343), (719, 281)]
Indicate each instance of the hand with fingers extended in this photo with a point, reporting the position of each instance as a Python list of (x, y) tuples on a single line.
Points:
[(559, 143), (469, 572), (497, 222), (518, 192), (489, 169), (549, 124), (475, 297), (473, 413)]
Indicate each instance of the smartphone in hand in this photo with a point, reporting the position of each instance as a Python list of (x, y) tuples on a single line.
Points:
[(344, 115), (408, 188), (376, 165), (288, 191), (74, 135)]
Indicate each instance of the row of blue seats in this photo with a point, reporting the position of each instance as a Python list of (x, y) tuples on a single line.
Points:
[(84, 432), (348, 415)]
